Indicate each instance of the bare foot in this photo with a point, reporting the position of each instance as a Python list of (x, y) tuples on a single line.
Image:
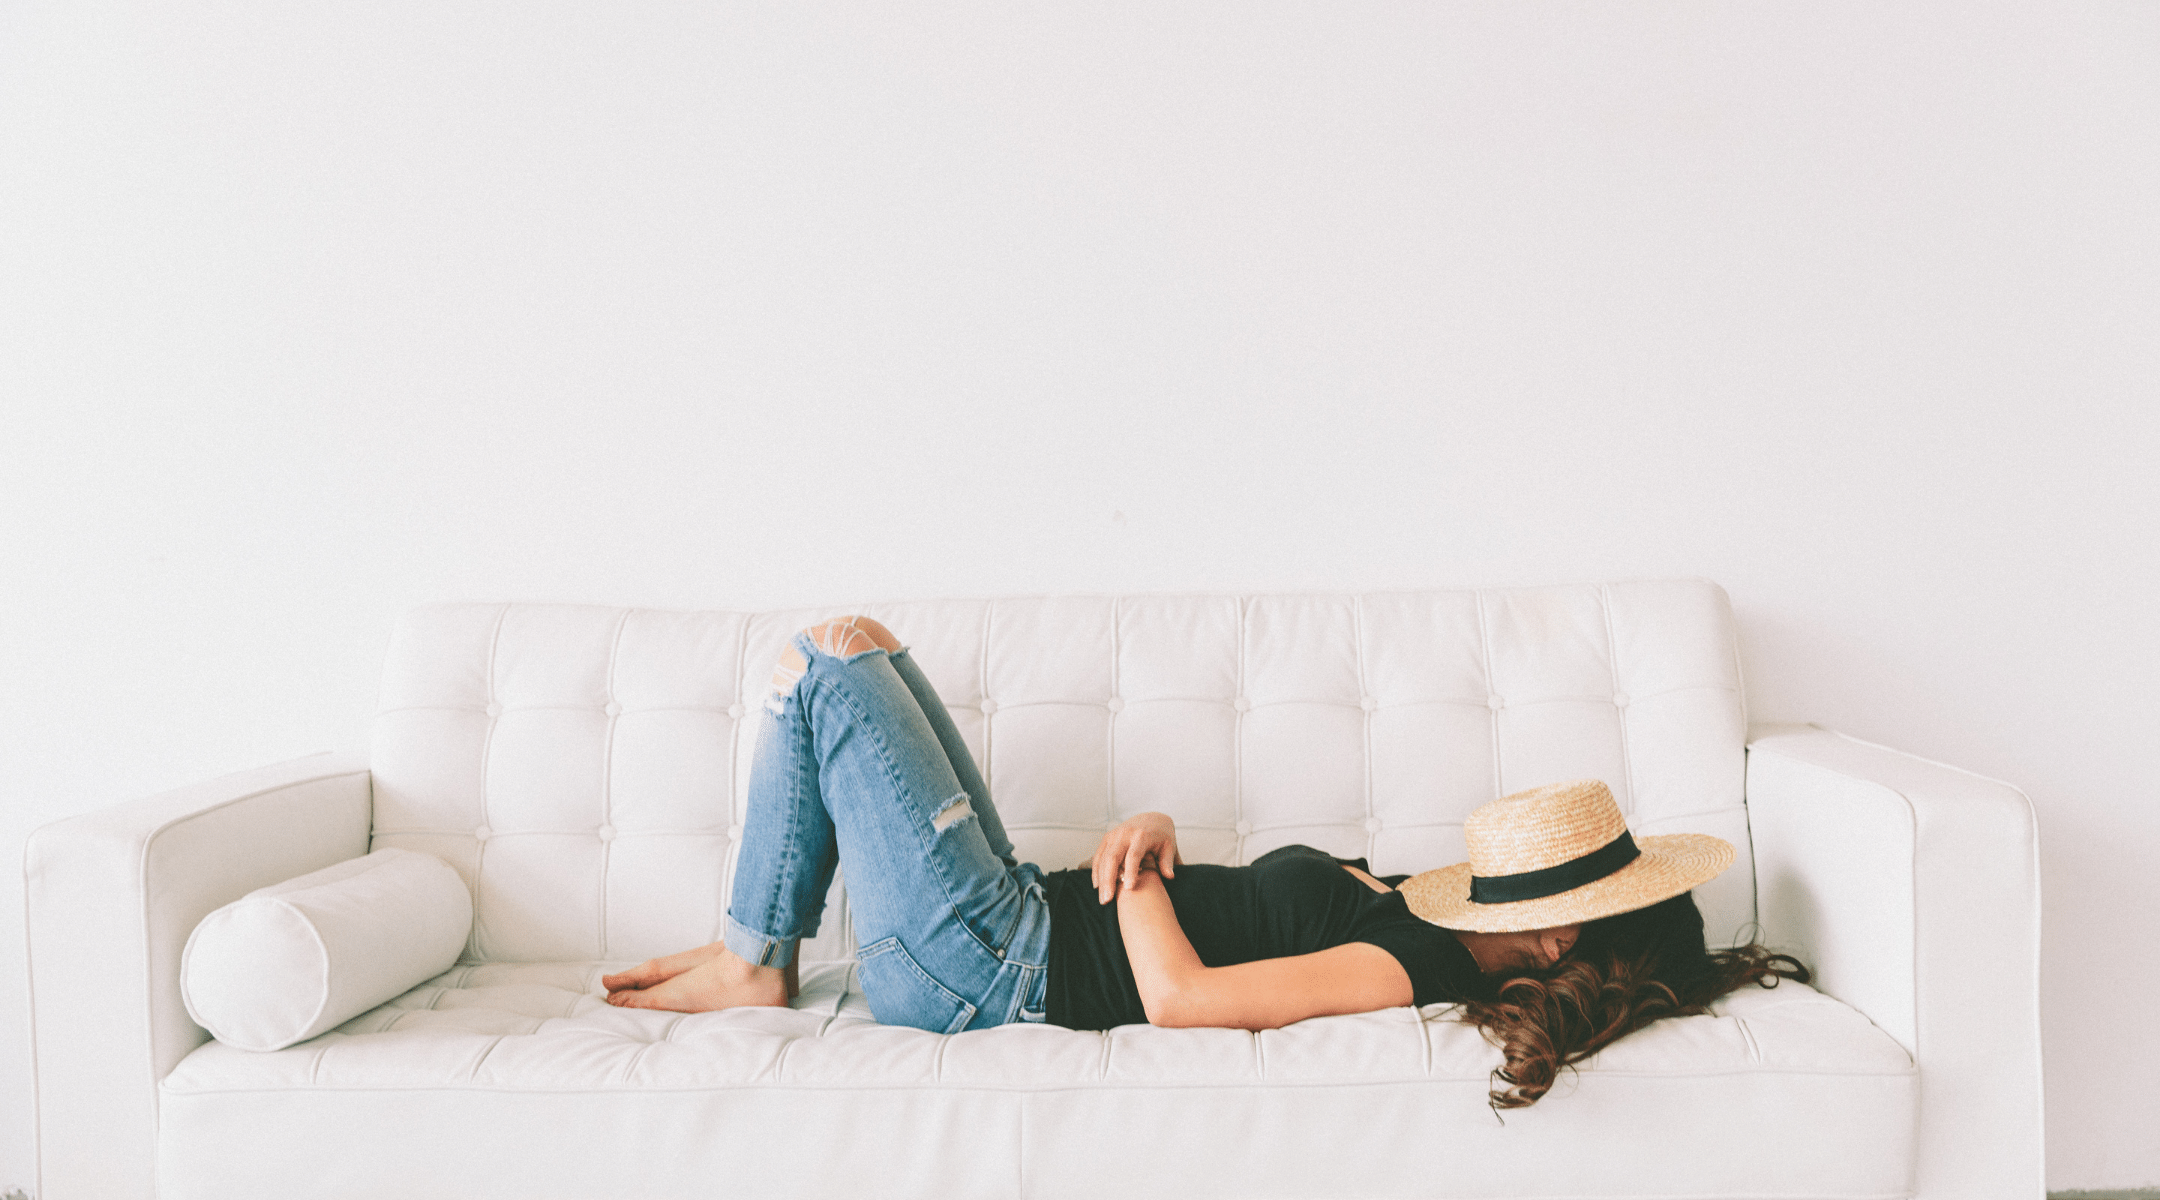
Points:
[(722, 981), (660, 970)]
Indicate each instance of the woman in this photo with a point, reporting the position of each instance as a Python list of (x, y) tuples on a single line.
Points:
[(1560, 935)]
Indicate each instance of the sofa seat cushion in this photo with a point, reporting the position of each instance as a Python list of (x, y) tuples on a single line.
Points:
[(528, 1055)]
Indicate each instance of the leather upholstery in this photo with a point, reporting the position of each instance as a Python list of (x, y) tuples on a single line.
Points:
[(1382, 1103), (585, 767), (111, 896), (1914, 889), (582, 769)]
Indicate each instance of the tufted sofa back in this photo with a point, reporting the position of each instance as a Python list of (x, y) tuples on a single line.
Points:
[(584, 767)]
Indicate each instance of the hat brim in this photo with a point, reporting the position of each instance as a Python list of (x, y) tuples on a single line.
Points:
[(1669, 864)]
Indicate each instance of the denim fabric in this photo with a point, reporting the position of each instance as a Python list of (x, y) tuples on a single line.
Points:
[(859, 763)]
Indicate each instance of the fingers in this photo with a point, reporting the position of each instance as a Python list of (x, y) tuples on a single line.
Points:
[(1106, 860), (1129, 849), (1135, 853), (1118, 863), (1161, 853)]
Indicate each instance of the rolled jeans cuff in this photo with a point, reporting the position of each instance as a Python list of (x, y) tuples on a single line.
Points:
[(756, 948)]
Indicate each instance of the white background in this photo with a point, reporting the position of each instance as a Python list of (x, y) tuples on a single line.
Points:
[(313, 311)]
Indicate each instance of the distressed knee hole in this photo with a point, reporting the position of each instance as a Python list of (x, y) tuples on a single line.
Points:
[(958, 810), (843, 637)]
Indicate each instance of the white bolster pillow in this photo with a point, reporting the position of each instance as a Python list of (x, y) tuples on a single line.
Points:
[(289, 961)]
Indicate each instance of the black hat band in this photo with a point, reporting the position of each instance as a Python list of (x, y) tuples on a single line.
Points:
[(1551, 881)]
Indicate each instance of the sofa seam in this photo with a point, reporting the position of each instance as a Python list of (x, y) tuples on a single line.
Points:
[(1110, 726), (1237, 728), (322, 950), (735, 783), (1747, 1036), (1105, 1085), (37, 1120), (487, 758), (494, 1043), (1612, 670), (607, 776), (1661, 818), (1492, 688), (1365, 715)]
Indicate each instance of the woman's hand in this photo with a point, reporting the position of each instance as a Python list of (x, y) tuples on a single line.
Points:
[(1148, 840)]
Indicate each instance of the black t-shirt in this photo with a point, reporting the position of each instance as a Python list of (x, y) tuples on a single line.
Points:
[(1293, 900)]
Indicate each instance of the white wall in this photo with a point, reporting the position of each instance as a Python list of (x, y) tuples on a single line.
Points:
[(309, 312)]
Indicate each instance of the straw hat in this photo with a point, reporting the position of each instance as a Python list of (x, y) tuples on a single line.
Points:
[(1558, 855)]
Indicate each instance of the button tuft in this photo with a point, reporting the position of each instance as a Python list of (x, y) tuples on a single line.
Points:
[(613, 709), (1368, 704), (1372, 824), (605, 833), (481, 833), (1243, 828), (1241, 704), (988, 706), (734, 833), (1620, 699), (1494, 702), (494, 710), (1116, 704), (735, 710)]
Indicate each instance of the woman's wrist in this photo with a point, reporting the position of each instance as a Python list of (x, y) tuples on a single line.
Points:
[(1138, 878), (1162, 957)]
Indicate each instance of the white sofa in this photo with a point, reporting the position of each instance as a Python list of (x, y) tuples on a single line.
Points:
[(583, 768)]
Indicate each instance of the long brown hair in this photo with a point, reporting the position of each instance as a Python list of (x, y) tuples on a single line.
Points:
[(1623, 973)]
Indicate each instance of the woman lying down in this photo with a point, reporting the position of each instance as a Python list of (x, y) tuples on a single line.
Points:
[(1561, 934)]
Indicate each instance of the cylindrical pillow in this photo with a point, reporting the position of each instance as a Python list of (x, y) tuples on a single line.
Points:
[(286, 962)]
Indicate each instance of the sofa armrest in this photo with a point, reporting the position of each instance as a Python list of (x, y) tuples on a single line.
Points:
[(110, 898), (1913, 889)]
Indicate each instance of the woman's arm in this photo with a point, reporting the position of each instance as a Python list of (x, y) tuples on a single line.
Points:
[(1149, 839), (1165, 967), (1177, 990)]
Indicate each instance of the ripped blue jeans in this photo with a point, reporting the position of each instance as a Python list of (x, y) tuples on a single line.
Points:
[(859, 763)]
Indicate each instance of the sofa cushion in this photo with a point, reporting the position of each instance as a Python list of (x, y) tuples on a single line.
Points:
[(585, 768), (528, 1056), (286, 962)]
